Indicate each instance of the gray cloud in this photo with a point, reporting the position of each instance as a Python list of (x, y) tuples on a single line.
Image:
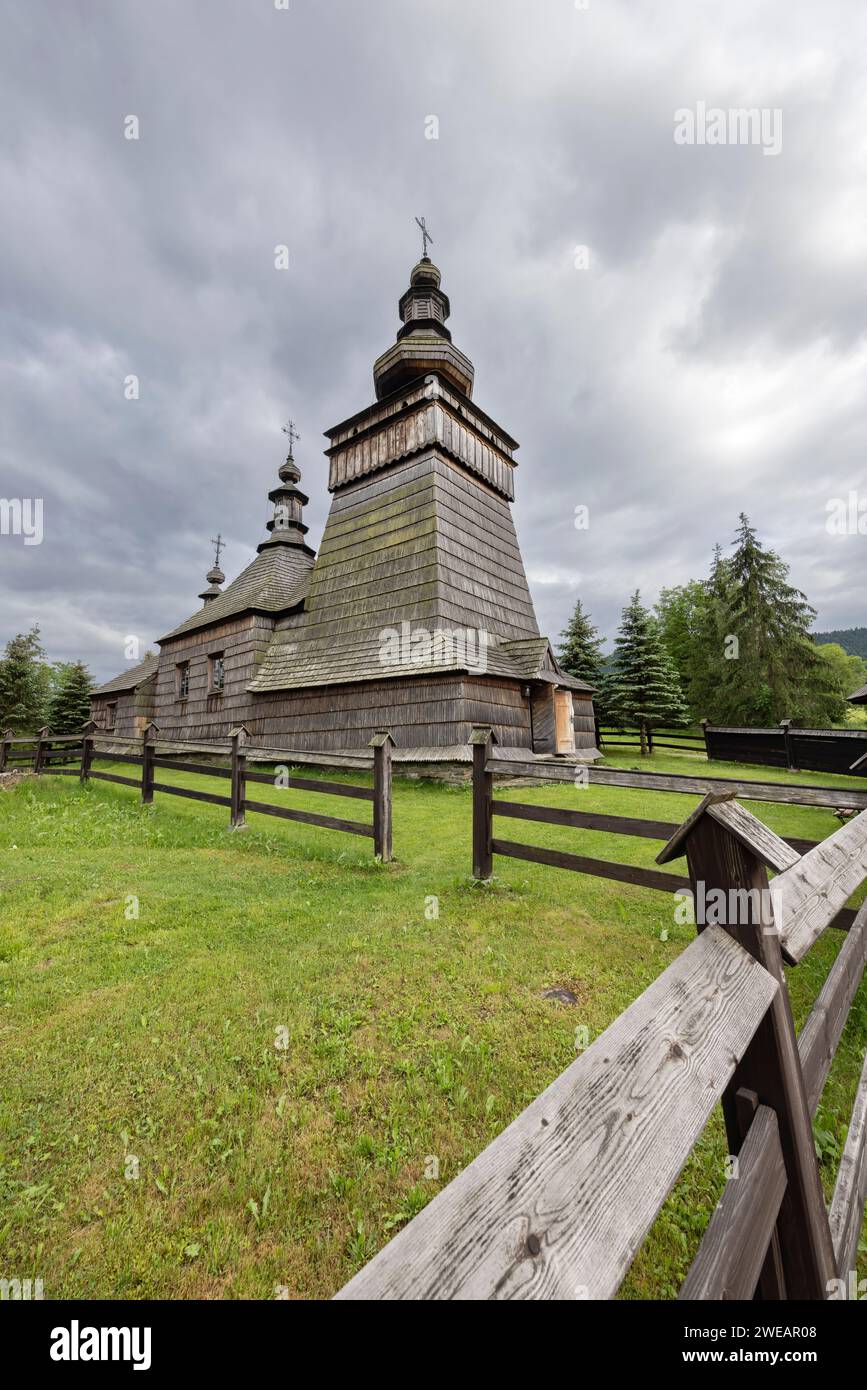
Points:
[(711, 358)]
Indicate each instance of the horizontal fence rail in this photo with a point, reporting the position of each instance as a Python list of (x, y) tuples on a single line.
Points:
[(45, 751), (612, 737), (835, 798), (486, 807)]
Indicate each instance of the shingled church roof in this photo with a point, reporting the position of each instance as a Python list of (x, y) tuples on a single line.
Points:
[(274, 582), (131, 679)]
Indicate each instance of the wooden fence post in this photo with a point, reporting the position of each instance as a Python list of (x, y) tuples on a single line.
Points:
[(704, 724), (238, 793), (4, 749), (382, 744), (482, 740), (785, 725), (86, 749), (728, 850), (39, 752), (147, 762)]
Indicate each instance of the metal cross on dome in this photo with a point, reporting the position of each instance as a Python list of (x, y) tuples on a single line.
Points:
[(425, 235), (219, 544), (290, 430)]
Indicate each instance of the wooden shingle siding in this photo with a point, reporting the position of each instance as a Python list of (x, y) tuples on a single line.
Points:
[(429, 413), (243, 642), (134, 709), (421, 543)]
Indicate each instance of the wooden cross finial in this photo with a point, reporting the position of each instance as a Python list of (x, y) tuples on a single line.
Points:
[(289, 428), (425, 236), (219, 545)]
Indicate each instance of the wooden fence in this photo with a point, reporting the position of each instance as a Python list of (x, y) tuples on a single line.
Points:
[(558, 1205), (486, 807), (799, 750), (45, 752), (612, 737), (807, 750)]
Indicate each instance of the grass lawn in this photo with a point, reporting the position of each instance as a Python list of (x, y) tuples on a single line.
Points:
[(230, 1063)]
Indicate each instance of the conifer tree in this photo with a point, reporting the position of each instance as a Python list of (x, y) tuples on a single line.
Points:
[(22, 684), (580, 651), (69, 708), (768, 667), (642, 687)]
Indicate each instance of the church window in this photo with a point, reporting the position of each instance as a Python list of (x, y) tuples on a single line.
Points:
[(215, 666), (183, 679)]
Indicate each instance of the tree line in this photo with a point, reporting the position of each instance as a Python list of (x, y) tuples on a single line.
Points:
[(35, 693), (735, 648)]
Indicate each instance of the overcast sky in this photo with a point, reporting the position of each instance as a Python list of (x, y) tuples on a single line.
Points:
[(710, 358)]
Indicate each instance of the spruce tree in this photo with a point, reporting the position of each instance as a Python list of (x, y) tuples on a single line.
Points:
[(22, 684), (580, 651), (768, 667), (69, 707), (642, 687)]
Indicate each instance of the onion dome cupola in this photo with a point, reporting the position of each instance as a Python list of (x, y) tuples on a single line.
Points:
[(424, 344), (215, 576), (286, 526)]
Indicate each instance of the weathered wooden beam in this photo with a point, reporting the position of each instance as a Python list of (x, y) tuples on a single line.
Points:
[(812, 892), (382, 744), (211, 797), (557, 1205), (600, 868), (202, 769), (820, 1035), (312, 784), (850, 1192), (842, 798), (757, 837), (114, 777), (39, 752), (148, 750), (309, 818), (590, 820), (731, 1256), (238, 775), (482, 741), (718, 860)]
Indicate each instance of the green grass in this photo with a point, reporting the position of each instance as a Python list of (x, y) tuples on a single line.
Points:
[(146, 1044)]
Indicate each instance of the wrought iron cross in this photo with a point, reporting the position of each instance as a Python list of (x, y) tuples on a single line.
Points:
[(289, 428), (425, 235), (219, 544)]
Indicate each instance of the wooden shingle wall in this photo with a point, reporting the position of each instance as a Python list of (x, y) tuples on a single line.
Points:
[(243, 642)]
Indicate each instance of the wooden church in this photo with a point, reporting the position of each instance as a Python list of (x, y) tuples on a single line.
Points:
[(415, 615)]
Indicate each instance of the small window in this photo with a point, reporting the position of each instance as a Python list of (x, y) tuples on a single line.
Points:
[(182, 671), (111, 714), (216, 673)]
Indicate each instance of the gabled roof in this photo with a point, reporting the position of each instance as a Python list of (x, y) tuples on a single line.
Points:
[(860, 696), (274, 582), (131, 679), (532, 658)]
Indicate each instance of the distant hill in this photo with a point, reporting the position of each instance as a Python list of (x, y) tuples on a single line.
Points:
[(852, 639)]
